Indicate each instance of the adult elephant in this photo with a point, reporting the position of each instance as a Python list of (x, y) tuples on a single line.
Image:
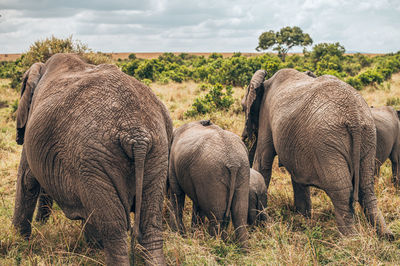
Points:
[(94, 139), (388, 139), (323, 132)]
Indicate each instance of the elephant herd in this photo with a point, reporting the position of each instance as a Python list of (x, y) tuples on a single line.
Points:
[(102, 145)]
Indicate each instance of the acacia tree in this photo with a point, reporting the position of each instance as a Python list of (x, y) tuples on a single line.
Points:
[(283, 40)]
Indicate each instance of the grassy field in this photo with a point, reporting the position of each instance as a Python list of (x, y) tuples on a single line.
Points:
[(286, 238)]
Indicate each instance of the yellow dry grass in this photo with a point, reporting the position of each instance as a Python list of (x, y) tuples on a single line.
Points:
[(285, 239)]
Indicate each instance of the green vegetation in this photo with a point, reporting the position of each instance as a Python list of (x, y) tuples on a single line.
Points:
[(214, 100), (42, 50), (286, 238), (283, 40), (325, 58), (194, 88)]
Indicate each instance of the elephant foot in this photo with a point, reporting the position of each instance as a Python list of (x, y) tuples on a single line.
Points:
[(156, 258), (388, 236), (244, 247), (24, 230), (305, 212), (91, 236), (150, 253), (349, 230), (93, 242), (116, 252), (262, 217), (42, 217), (396, 184)]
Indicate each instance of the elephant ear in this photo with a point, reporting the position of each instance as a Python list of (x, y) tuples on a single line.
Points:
[(29, 82), (252, 102)]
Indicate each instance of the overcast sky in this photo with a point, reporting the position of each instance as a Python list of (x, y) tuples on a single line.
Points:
[(198, 26)]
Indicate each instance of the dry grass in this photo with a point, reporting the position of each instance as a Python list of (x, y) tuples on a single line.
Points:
[(286, 238)]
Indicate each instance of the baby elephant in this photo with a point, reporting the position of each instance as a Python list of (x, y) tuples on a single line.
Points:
[(388, 139), (210, 165), (257, 198)]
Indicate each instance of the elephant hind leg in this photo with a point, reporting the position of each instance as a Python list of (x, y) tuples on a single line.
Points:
[(176, 202), (106, 224), (45, 205), (344, 212), (239, 215), (197, 216), (337, 183), (27, 192), (368, 200), (302, 199), (394, 158), (216, 223)]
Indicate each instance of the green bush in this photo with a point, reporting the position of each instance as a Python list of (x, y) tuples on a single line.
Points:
[(42, 50), (324, 58), (355, 83), (214, 100), (97, 58), (130, 67), (145, 70), (370, 76), (393, 101)]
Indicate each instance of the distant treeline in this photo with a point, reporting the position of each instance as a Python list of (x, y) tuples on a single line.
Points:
[(325, 58), (358, 70)]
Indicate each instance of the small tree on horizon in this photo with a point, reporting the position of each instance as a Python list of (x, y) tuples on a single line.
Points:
[(283, 40)]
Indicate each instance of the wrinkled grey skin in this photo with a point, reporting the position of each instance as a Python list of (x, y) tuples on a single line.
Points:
[(209, 165), (257, 198), (387, 139), (94, 139), (324, 134)]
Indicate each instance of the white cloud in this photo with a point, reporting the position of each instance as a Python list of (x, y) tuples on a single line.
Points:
[(207, 25)]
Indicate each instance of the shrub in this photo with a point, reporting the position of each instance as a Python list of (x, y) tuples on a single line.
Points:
[(214, 100), (145, 70), (130, 67), (355, 83), (147, 82), (42, 50), (97, 58), (393, 101), (363, 60), (327, 49), (370, 76)]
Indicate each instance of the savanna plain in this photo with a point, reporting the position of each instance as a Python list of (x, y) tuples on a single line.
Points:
[(286, 238)]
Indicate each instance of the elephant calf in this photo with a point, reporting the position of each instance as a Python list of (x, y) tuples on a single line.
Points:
[(387, 139), (210, 165), (257, 198)]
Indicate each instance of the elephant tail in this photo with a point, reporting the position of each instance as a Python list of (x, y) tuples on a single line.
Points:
[(137, 149), (233, 174), (356, 136)]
